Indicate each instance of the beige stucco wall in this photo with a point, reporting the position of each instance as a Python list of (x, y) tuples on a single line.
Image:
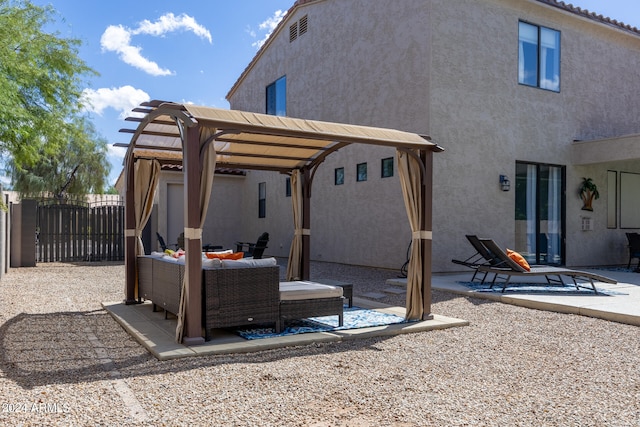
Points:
[(227, 205), (449, 69)]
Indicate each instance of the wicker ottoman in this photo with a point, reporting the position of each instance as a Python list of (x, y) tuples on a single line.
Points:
[(347, 288), (302, 299)]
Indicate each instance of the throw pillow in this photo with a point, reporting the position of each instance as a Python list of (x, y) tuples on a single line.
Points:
[(518, 259), (236, 255)]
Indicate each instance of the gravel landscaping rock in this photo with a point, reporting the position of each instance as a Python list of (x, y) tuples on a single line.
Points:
[(65, 361)]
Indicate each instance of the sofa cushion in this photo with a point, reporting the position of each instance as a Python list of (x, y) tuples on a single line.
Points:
[(249, 262), (301, 289), (211, 263)]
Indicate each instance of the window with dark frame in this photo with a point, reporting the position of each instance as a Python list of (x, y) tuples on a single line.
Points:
[(538, 56), (262, 200), (338, 176), (361, 172), (387, 167), (276, 97), (287, 185)]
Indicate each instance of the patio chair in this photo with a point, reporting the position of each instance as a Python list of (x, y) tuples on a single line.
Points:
[(161, 242), (254, 250), (634, 248), (482, 256), (508, 267)]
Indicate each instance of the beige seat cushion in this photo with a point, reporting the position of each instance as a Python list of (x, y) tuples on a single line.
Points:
[(300, 290)]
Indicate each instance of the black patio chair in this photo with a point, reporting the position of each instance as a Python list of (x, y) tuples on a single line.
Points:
[(161, 242), (482, 257), (254, 250)]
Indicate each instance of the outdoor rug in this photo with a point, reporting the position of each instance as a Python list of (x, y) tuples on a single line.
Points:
[(354, 318), (540, 288)]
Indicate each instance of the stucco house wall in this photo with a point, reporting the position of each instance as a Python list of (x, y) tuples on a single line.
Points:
[(224, 223), (449, 70)]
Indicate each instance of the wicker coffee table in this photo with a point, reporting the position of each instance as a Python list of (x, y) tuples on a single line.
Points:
[(347, 288)]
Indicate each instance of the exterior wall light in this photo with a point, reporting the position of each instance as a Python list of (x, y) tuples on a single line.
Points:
[(505, 184)]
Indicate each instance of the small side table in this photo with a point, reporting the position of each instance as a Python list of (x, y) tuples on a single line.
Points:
[(347, 288)]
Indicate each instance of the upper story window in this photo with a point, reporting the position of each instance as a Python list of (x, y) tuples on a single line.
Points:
[(277, 97), (538, 56)]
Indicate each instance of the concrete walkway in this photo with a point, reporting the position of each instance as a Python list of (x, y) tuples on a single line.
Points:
[(623, 305)]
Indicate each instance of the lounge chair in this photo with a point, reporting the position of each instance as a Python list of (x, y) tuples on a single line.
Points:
[(634, 248), (509, 268), (482, 256), (254, 250)]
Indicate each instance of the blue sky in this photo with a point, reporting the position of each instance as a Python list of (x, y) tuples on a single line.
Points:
[(185, 51)]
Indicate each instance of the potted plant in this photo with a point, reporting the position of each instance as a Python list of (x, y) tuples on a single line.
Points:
[(588, 192)]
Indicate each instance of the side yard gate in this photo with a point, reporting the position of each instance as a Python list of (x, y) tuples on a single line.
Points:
[(78, 231)]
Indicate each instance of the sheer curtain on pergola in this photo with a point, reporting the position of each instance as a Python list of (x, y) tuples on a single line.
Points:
[(295, 253), (208, 167), (410, 172), (146, 176)]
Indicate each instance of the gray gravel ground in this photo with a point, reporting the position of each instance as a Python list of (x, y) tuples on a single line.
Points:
[(64, 361)]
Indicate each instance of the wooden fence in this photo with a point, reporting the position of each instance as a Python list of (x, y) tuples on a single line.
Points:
[(77, 231)]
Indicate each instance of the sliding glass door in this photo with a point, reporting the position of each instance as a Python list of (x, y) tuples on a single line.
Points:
[(539, 212)]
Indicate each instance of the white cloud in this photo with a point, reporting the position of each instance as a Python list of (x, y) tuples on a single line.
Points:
[(269, 25), (170, 23), (117, 38), (122, 99)]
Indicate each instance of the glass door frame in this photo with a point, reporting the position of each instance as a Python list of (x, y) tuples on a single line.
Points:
[(538, 259)]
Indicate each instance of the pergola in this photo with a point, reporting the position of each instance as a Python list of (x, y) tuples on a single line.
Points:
[(203, 139)]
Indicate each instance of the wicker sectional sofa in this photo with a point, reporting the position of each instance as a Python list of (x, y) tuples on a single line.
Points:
[(235, 294)]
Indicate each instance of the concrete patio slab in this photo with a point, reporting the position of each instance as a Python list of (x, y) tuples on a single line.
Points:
[(622, 306), (157, 334)]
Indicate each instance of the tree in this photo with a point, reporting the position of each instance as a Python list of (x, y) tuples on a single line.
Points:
[(79, 167), (41, 80)]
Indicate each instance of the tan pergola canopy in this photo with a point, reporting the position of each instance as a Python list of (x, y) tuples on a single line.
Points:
[(204, 139), (245, 140)]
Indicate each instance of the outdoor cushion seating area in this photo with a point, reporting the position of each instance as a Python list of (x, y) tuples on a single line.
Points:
[(237, 292), (492, 259)]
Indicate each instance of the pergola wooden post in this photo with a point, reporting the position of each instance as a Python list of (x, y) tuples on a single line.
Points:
[(426, 156), (306, 224), (192, 236), (129, 235)]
